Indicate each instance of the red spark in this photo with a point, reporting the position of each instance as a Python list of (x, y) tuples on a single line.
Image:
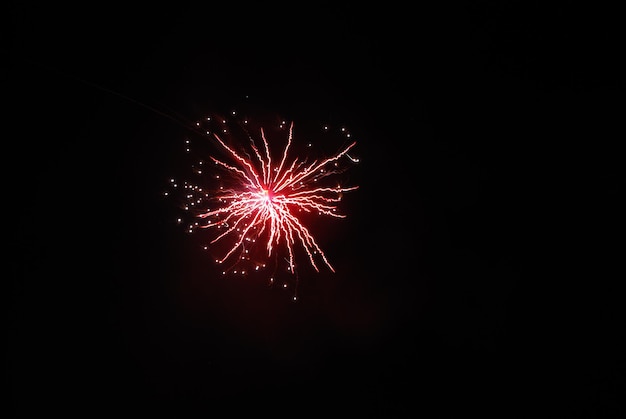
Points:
[(266, 198)]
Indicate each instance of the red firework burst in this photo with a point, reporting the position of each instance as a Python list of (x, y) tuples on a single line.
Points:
[(263, 197)]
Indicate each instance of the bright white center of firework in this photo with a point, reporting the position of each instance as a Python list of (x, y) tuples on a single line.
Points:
[(267, 196)]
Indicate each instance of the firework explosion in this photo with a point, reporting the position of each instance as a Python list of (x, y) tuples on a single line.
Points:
[(262, 198)]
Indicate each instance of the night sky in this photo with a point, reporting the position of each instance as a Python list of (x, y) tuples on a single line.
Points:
[(479, 270)]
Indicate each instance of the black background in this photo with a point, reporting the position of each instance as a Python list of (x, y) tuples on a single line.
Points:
[(480, 268)]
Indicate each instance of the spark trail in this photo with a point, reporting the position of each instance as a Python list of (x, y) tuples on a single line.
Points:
[(263, 199)]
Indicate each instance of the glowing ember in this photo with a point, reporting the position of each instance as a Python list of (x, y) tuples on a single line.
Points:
[(263, 197)]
